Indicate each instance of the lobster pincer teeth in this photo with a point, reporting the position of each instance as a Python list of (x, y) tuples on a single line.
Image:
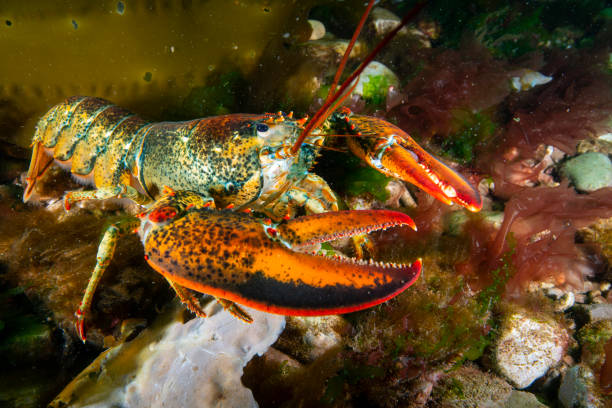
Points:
[(413, 164), (235, 257), (324, 227)]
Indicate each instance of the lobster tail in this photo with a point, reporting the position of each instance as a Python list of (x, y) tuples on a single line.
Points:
[(77, 134)]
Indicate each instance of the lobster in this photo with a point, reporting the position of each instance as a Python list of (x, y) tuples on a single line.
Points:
[(182, 171)]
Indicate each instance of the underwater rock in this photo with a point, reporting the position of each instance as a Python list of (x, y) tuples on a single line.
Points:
[(318, 30), (593, 338), (594, 312), (470, 387), (600, 144), (589, 171), (399, 195), (176, 364), (523, 399), (527, 79), (382, 21), (579, 389), (566, 301), (527, 347), (600, 234), (373, 84), (308, 338), (330, 51)]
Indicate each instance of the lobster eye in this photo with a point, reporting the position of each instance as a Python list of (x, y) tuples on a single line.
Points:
[(262, 127)]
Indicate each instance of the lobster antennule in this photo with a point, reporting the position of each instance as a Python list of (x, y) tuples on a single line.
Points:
[(317, 228), (230, 255)]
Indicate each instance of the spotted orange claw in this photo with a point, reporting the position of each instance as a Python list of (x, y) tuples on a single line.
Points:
[(394, 153), (243, 259)]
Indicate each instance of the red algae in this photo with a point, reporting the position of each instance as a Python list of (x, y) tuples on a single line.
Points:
[(574, 106), (543, 222), (469, 79)]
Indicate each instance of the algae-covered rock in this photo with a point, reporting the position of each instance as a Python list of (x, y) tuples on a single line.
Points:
[(593, 338), (308, 338), (528, 346), (522, 399), (382, 21), (176, 364), (374, 82), (589, 171), (579, 389), (601, 144), (600, 234), (470, 387)]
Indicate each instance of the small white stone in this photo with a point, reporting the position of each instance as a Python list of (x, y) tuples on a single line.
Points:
[(565, 302), (528, 347), (527, 79), (318, 30)]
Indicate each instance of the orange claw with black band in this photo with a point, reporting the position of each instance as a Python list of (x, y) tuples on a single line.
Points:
[(240, 258), (396, 154)]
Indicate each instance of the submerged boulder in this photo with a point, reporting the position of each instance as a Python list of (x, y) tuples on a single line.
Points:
[(193, 364), (528, 346)]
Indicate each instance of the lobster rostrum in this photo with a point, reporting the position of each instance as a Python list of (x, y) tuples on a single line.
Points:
[(181, 171)]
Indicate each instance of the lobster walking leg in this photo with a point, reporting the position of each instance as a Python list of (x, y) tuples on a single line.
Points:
[(235, 310), (314, 194), (103, 258), (187, 299), (120, 191)]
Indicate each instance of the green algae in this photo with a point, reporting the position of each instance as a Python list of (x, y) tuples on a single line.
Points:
[(375, 90), (593, 338), (435, 325), (472, 129), (357, 179)]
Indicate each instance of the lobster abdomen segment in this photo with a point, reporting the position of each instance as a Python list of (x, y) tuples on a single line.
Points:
[(86, 134)]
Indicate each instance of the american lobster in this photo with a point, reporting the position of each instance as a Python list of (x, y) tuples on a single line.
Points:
[(181, 171)]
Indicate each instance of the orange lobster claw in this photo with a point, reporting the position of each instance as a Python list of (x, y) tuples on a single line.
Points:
[(237, 257), (398, 155)]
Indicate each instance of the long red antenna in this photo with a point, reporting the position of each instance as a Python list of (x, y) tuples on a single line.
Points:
[(320, 115), (349, 48)]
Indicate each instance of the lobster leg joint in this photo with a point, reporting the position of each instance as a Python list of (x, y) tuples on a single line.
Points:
[(103, 258)]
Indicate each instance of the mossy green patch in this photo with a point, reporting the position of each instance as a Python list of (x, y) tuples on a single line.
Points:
[(375, 90), (593, 338), (472, 129)]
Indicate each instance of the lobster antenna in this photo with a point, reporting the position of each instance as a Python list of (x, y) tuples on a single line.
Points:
[(322, 113), (349, 48)]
